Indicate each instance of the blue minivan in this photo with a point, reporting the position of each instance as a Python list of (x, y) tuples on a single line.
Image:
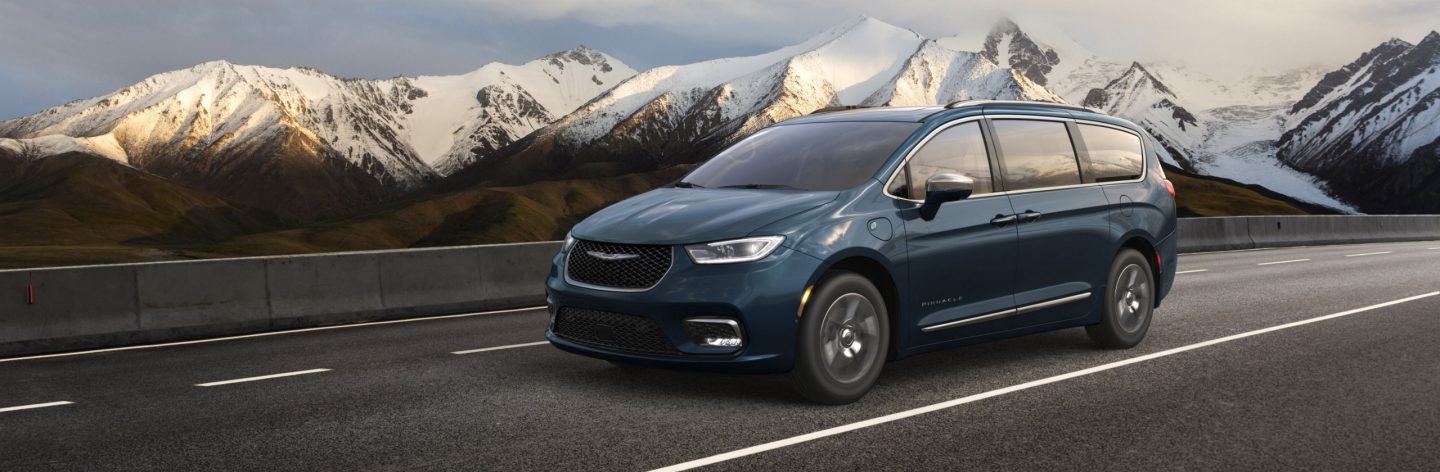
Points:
[(825, 245)]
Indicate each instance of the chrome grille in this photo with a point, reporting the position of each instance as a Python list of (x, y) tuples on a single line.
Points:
[(618, 266)]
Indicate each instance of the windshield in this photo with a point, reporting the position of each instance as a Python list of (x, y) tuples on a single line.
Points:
[(808, 156)]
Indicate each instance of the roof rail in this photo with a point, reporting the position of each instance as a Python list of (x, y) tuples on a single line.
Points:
[(966, 103), (838, 108)]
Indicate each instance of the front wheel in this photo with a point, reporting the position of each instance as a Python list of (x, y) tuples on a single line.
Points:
[(1129, 303), (843, 342)]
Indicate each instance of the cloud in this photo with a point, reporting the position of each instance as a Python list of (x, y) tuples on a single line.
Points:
[(58, 50)]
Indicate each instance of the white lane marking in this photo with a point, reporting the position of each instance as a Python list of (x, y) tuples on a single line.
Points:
[(37, 405), (1011, 389), (262, 377), (1369, 254), (1191, 271), (497, 348), (1282, 262), (1231, 250), (1432, 248), (272, 333)]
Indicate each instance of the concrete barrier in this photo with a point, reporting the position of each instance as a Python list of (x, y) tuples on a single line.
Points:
[(1213, 234), (100, 306)]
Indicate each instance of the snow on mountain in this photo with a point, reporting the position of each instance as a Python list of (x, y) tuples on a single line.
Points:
[(1240, 145), (1137, 95), (465, 117), (1047, 56), (1372, 128), (348, 141), (51, 145), (847, 63), (676, 114), (936, 74)]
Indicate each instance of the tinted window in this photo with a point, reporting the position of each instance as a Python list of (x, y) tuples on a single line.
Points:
[(806, 156), (1036, 154), (1114, 155), (959, 149)]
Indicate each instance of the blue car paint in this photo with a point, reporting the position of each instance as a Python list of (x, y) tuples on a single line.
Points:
[(1081, 231)]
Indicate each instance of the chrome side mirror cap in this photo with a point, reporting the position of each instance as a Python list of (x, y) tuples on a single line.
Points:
[(943, 188)]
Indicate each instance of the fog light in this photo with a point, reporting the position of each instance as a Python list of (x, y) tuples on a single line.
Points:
[(715, 332), (721, 342)]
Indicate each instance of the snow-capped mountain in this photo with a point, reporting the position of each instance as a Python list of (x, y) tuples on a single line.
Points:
[(1372, 128), (936, 74), (466, 117), (1139, 96), (304, 143), (677, 114)]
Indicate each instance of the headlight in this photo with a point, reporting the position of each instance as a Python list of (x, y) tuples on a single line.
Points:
[(737, 250), (569, 241)]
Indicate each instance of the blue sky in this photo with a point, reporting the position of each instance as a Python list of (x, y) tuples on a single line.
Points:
[(54, 51)]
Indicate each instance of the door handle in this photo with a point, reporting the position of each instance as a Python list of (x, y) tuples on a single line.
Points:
[(1029, 216), (1002, 220)]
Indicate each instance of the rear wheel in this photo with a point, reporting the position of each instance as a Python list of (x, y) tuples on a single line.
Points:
[(1129, 303), (843, 342)]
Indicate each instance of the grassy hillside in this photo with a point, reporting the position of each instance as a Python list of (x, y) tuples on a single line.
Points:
[(535, 212), (1210, 196), (78, 208)]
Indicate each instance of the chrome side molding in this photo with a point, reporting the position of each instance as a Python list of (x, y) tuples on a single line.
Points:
[(1006, 313)]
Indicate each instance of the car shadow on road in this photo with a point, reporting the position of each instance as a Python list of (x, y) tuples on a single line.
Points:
[(946, 373)]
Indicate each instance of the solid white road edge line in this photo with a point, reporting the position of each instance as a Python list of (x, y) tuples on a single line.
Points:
[(263, 377), (1011, 389), (497, 348), (1282, 262), (271, 333), (1191, 271), (1369, 254), (37, 405)]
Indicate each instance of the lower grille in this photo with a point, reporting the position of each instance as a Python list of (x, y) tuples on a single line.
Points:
[(613, 331)]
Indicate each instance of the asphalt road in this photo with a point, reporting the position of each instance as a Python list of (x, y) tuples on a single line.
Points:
[(1204, 391)]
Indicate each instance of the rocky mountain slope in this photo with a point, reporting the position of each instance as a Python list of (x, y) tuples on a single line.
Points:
[(1372, 128)]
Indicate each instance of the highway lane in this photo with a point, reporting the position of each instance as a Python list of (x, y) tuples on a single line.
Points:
[(1353, 389)]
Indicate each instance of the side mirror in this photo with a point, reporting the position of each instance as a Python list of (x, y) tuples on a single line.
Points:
[(941, 188)]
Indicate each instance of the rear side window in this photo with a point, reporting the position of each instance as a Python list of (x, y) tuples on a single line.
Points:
[(1114, 155), (1036, 154), (959, 149)]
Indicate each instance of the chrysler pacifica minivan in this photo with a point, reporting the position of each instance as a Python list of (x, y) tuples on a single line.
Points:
[(826, 245)]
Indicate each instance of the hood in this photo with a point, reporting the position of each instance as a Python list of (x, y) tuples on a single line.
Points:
[(687, 215)]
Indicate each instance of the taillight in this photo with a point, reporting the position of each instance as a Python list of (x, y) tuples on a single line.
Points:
[(1169, 187)]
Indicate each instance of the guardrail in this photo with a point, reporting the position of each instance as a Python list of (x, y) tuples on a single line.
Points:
[(69, 308)]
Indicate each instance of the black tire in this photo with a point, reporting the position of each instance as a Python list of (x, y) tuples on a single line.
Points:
[(1129, 302), (859, 339)]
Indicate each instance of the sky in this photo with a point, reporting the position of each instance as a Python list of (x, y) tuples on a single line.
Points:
[(55, 51)]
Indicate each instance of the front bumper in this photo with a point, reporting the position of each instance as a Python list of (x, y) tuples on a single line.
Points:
[(763, 296)]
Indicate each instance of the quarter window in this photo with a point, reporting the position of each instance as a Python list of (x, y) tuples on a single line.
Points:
[(1036, 154), (959, 149), (1114, 155)]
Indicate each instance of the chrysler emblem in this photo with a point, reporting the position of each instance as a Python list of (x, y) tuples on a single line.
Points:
[(611, 257)]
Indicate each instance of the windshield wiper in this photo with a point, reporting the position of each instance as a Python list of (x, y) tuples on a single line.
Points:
[(764, 186), (683, 184)]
